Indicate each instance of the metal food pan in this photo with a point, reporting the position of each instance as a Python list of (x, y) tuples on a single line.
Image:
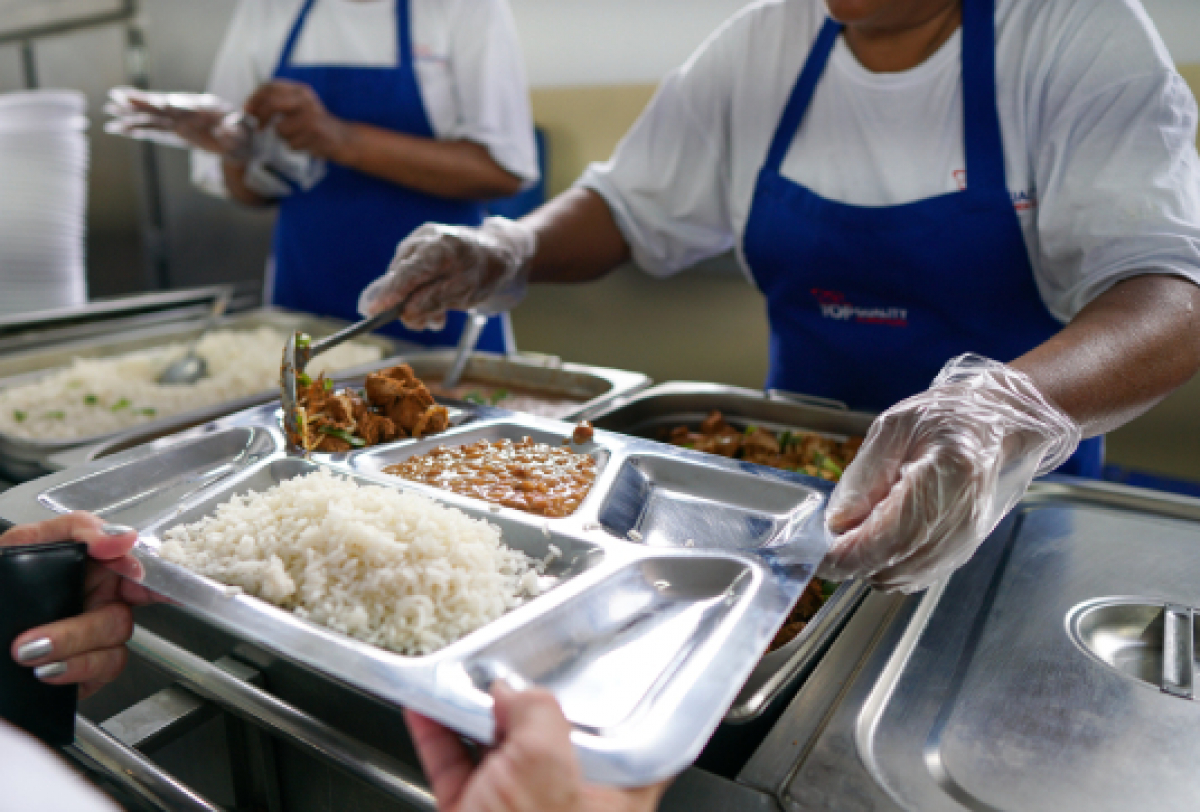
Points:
[(595, 386), (655, 410), (22, 459), (644, 644)]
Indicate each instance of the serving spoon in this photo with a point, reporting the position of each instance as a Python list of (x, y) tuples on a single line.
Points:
[(473, 328), (192, 366), (300, 349)]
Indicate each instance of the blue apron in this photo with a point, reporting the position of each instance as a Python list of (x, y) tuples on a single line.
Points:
[(335, 239), (866, 304)]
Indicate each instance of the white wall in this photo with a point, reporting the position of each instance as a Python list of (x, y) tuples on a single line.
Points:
[(597, 42), (1178, 21)]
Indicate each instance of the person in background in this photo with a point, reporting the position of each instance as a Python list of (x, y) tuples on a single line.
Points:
[(532, 768), (418, 110), (1005, 191)]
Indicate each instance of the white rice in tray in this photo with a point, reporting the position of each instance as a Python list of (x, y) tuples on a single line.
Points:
[(392, 568), (102, 395)]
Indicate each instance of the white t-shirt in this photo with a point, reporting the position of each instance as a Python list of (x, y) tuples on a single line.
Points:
[(1099, 138), (468, 64), (34, 779)]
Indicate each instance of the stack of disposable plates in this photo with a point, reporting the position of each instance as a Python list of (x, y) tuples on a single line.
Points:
[(43, 200)]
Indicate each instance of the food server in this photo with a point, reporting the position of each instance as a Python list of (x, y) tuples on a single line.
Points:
[(375, 117), (906, 182)]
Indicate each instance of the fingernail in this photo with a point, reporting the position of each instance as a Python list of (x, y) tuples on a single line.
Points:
[(116, 529), (34, 649), (50, 670)]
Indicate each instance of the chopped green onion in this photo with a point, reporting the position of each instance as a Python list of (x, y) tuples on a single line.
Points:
[(751, 429), (785, 439), (149, 411), (303, 340), (123, 403), (497, 396), (829, 465), (90, 400), (55, 415), (828, 588), (328, 385), (475, 397), (303, 379), (19, 415), (342, 434), (690, 445)]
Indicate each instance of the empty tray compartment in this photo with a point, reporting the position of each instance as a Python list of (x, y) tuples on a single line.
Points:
[(144, 489), (671, 501), (611, 648)]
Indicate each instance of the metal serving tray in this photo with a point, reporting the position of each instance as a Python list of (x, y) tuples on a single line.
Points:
[(650, 412), (22, 459), (596, 386), (1056, 670), (644, 644)]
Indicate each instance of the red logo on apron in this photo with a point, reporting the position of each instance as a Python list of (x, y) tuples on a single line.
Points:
[(835, 306)]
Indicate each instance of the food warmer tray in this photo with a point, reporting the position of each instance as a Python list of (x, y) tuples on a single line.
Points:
[(101, 317), (655, 410), (597, 387), (22, 459), (1056, 670), (645, 643)]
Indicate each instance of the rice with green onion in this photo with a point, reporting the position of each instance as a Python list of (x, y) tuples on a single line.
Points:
[(388, 567), (95, 396)]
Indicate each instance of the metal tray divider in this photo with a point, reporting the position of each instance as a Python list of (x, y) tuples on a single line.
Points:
[(1178, 653)]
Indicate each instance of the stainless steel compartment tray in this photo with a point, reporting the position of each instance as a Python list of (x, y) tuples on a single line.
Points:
[(645, 644), (652, 411), (22, 458)]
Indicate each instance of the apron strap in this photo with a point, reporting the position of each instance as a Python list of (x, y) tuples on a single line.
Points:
[(293, 36), (802, 94), (981, 119), (404, 52)]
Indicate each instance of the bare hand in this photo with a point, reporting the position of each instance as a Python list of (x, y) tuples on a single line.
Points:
[(88, 649), (532, 767), (301, 119)]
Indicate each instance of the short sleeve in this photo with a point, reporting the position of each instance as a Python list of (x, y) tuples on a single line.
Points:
[(668, 182), (493, 93), (236, 74), (1118, 177)]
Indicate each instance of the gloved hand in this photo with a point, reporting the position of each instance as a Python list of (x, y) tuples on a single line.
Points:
[(454, 268), (180, 120), (938, 472), (212, 124)]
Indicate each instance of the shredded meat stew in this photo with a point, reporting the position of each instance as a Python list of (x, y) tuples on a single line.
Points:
[(393, 405), (798, 451)]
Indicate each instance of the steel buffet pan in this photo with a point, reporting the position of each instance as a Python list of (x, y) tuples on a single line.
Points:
[(22, 458), (655, 411), (593, 387), (1056, 670), (644, 644)]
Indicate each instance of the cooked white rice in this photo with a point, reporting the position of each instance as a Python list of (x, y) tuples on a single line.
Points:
[(101, 395), (392, 568)]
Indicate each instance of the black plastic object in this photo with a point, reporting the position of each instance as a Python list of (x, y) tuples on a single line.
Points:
[(39, 584)]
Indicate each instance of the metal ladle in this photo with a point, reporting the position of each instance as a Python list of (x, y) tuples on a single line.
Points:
[(476, 321), (192, 367)]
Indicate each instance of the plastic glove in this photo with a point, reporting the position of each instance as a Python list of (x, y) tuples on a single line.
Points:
[(212, 124), (181, 120), (938, 472), (454, 268)]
